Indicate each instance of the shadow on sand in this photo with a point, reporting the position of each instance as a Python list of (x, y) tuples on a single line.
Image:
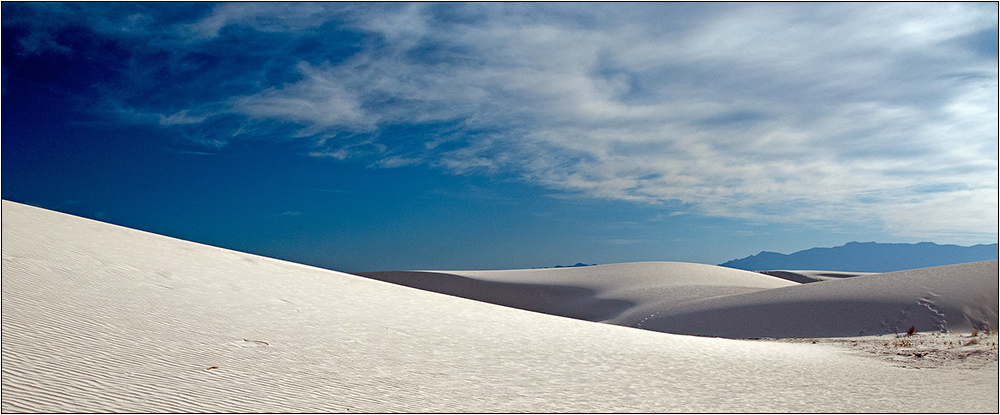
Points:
[(566, 301)]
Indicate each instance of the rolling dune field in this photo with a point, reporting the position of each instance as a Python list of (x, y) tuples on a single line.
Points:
[(98, 317)]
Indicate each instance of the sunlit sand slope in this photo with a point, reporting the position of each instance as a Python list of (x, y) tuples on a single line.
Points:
[(960, 297), (622, 294), (102, 318)]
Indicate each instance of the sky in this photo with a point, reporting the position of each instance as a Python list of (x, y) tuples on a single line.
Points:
[(387, 136)]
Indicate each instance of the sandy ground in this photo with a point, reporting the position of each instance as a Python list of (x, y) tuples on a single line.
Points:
[(954, 298), (920, 350), (622, 294), (807, 276), (100, 318), (714, 301)]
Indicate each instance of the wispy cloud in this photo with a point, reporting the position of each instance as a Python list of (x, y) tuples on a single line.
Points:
[(817, 113)]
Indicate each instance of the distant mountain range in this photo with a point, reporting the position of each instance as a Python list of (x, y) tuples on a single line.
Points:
[(867, 257)]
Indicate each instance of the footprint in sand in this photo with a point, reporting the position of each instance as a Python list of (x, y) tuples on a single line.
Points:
[(939, 318)]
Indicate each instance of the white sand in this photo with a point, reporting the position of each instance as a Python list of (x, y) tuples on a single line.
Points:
[(956, 298), (103, 318), (622, 294), (707, 300), (807, 276)]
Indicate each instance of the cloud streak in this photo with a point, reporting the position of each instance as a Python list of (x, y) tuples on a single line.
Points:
[(819, 113)]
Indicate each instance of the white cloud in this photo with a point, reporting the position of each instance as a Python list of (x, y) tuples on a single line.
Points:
[(178, 118), (268, 17), (319, 100), (823, 113)]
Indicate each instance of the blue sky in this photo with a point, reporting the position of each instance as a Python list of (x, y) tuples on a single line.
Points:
[(377, 136)]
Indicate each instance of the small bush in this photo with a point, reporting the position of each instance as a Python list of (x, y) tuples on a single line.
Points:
[(911, 331)]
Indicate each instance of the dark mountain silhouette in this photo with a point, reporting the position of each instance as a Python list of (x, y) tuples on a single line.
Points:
[(868, 257), (578, 264)]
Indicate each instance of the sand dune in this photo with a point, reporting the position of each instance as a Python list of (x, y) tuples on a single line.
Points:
[(805, 277), (622, 294), (102, 318), (707, 300), (958, 298)]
